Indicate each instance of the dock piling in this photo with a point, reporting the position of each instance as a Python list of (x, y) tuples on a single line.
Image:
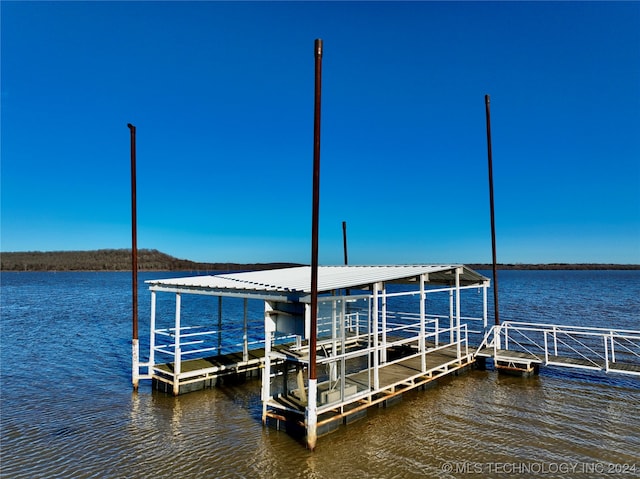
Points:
[(311, 418), (487, 101), (135, 347)]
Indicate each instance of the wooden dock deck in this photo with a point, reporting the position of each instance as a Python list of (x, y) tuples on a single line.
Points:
[(395, 378), (200, 373)]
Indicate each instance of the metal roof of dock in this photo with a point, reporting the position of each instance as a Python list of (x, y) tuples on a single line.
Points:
[(297, 281)]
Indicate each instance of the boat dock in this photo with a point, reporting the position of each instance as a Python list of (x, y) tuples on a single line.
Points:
[(381, 330)]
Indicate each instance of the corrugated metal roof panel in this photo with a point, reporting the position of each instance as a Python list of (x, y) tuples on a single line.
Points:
[(298, 280)]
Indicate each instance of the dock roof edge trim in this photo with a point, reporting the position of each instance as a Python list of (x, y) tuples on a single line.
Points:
[(297, 280)]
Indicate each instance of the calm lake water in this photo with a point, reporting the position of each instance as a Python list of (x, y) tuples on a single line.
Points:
[(68, 409)]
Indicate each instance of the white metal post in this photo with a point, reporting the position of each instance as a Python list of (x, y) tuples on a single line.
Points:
[(269, 328), (451, 316), (135, 363), (152, 333), (484, 307), (383, 352), (421, 340), (606, 354), (311, 414), (546, 346), (245, 340), (177, 359), (506, 336), (343, 349), (219, 350), (374, 332), (333, 367), (613, 352), (458, 311)]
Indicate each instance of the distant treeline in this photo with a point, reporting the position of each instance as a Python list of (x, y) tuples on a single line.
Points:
[(115, 260), (154, 260), (560, 266)]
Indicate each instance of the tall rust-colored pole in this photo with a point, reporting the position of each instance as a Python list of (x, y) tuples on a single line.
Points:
[(487, 101), (134, 260), (344, 242), (311, 418)]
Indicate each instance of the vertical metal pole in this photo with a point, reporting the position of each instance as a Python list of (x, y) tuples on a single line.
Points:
[(344, 242), (313, 378), (135, 347), (487, 101)]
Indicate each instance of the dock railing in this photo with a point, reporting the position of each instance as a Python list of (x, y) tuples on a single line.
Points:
[(606, 349), (195, 342)]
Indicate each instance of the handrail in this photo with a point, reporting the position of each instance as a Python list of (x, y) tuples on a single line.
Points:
[(566, 345)]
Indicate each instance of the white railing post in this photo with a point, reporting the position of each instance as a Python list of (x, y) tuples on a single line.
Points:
[(458, 310), (245, 340), (152, 333), (613, 353), (343, 349), (546, 346), (485, 314), (506, 336), (376, 352), (606, 353), (555, 340), (334, 341), (219, 350), (269, 329), (450, 315), (177, 359), (383, 353), (421, 340)]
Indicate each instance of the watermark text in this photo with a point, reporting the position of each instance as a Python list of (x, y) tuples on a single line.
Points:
[(538, 468)]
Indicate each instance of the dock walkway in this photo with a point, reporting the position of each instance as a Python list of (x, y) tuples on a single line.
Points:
[(526, 346)]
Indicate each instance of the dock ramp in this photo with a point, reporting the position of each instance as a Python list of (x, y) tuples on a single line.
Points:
[(520, 346)]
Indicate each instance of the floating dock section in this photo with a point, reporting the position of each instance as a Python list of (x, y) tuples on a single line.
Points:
[(381, 331)]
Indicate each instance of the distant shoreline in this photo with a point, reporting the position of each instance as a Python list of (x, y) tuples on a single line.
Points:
[(154, 260), (557, 266)]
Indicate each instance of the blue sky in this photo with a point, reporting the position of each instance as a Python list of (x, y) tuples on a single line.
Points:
[(222, 98)]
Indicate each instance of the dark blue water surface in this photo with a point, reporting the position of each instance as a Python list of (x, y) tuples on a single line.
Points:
[(68, 409)]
